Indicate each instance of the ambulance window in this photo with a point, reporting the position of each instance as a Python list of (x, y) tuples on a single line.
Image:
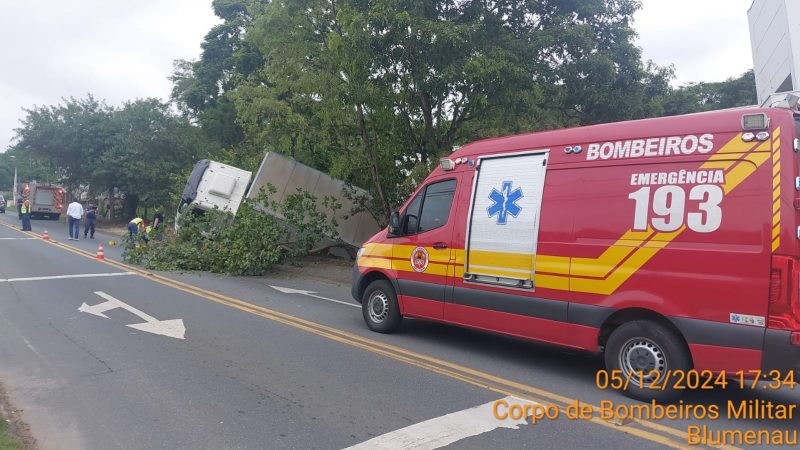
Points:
[(437, 203), (412, 212)]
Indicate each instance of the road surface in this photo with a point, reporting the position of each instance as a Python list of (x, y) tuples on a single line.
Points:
[(101, 355)]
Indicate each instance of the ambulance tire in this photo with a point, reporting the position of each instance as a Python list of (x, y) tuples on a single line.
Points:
[(643, 345), (379, 307)]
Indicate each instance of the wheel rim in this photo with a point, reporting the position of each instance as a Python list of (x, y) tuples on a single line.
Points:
[(378, 306), (642, 355)]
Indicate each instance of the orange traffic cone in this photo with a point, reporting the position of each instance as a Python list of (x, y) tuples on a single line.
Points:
[(101, 253), (46, 236)]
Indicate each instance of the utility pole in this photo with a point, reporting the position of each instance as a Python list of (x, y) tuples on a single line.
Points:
[(14, 193)]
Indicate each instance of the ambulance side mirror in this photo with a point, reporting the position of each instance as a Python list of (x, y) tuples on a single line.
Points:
[(394, 224)]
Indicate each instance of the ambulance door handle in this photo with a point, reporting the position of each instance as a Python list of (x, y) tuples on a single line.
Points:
[(440, 246)]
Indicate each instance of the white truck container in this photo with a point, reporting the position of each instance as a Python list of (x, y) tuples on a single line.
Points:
[(213, 184)]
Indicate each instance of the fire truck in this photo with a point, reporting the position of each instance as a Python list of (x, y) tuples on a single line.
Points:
[(47, 200), (668, 245)]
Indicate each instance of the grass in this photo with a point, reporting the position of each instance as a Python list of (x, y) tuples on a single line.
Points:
[(7, 440)]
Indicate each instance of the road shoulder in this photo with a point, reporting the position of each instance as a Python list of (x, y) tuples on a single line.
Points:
[(14, 432)]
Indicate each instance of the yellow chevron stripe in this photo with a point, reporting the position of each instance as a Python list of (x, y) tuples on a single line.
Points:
[(776, 189), (552, 264)]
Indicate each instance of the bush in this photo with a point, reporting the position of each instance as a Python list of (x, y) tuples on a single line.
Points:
[(249, 245)]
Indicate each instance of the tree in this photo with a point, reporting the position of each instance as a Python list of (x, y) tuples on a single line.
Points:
[(199, 86), (376, 91), (697, 97), (70, 136), (148, 144), (132, 149)]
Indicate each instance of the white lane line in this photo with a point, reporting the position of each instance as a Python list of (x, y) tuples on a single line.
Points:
[(444, 430), (16, 239), (312, 294), (62, 277)]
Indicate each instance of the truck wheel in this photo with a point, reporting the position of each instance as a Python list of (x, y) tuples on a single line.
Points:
[(379, 307), (641, 347)]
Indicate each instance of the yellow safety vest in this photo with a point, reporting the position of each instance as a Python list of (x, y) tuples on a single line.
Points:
[(24, 209)]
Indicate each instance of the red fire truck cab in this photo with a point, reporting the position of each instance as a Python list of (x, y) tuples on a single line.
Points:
[(667, 244)]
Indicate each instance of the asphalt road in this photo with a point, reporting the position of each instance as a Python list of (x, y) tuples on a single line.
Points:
[(254, 367)]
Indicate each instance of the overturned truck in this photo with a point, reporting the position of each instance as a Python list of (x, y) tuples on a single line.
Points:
[(213, 185)]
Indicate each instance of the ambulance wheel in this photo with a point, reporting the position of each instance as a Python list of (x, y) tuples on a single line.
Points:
[(642, 351), (379, 307)]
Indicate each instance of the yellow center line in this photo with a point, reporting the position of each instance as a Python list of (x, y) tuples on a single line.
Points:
[(452, 370)]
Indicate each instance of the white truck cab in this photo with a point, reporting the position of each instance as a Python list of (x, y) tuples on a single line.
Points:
[(213, 185)]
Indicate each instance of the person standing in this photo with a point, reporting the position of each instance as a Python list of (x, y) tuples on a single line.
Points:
[(20, 200), (91, 219), (25, 215), (158, 224), (74, 214)]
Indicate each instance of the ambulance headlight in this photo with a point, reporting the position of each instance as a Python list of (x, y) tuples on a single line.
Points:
[(747, 137), (360, 253), (762, 136), (447, 164)]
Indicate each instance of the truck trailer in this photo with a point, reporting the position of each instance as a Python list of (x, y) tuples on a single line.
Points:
[(213, 185)]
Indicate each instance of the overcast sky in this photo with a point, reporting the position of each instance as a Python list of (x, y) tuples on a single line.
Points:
[(121, 50)]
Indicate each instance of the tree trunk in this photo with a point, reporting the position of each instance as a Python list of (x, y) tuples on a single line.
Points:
[(369, 150), (131, 205)]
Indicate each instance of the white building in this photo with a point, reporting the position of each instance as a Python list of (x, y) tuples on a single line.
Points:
[(775, 39)]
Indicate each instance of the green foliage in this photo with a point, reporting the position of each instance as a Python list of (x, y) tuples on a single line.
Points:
[(697, 97), (132, 149), (7, 440), (250, 245), (375, 92)]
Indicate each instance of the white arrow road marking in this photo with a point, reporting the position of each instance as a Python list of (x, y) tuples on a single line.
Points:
[(172, 328), (444, 430), (312, 294), (64, 277)]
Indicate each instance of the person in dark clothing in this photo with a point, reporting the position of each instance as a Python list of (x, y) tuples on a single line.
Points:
[(91, 220), (19, 207), (158, 224)]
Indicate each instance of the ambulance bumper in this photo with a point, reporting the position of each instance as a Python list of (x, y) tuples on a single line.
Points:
[(779, 353), (356, 282)]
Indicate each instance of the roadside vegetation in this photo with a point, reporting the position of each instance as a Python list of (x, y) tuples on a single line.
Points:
[(14, 433), (249, 245), (7, 440), (373, 93)]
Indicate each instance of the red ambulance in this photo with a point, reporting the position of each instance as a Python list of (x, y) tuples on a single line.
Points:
[(667, 244)]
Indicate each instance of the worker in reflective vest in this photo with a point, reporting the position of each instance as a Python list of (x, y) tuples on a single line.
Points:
[(134, 226), (25, 215)]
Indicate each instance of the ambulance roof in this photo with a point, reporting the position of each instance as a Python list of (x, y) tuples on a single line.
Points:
[(727, 120)]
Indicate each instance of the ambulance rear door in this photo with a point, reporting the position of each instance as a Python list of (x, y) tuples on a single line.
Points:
[(503, 224)]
